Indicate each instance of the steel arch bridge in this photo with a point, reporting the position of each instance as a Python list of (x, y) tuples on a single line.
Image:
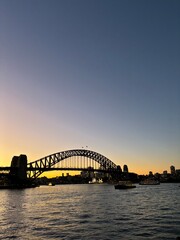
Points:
[(77, 159)]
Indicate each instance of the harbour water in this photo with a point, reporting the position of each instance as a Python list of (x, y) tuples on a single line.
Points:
[(90, 212)]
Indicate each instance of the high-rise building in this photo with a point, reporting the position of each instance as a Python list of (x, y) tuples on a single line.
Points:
[(150, 173), (125, 168), (173, 171)]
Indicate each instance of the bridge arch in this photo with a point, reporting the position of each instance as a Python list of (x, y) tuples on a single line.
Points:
[(37, 167)]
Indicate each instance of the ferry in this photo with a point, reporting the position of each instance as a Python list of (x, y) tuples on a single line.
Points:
[(51, 184), (96, 181), (149, 181), (124, 185)]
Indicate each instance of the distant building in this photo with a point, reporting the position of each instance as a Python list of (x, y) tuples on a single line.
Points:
[(150, 174), (125, 168), (164, 175), (172, 169)]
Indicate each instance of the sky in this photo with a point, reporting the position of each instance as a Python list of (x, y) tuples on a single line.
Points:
[(98, 73)]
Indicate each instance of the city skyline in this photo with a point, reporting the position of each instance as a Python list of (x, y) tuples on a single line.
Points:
[(80, 163), (103, 74)]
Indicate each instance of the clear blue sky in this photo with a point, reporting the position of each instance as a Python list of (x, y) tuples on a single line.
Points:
[(98, 73)]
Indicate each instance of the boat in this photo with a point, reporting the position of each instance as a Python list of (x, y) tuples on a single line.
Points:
[(96, 181), (124, 185), (51, 184), (149, 181)]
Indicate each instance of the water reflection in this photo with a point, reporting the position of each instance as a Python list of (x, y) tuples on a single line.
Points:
[(12, 212), (90, 212)]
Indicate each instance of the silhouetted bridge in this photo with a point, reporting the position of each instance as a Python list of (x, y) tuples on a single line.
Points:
[(72, 160)]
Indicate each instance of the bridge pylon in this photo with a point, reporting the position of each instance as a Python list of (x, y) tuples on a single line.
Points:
[(18, 171)]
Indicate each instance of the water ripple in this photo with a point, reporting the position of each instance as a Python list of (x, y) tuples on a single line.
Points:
[(91, 212)]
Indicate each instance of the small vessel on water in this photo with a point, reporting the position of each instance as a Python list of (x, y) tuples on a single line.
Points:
[(149, 181), (51, 184), (96, 181), (124, 185)]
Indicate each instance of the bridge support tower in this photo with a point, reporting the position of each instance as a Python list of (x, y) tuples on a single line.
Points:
[(18, 172)]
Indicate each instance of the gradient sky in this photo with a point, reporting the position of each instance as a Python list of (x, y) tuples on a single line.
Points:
[(98, 73)]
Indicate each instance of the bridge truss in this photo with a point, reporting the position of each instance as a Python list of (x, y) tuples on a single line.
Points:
[(78, 159)]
